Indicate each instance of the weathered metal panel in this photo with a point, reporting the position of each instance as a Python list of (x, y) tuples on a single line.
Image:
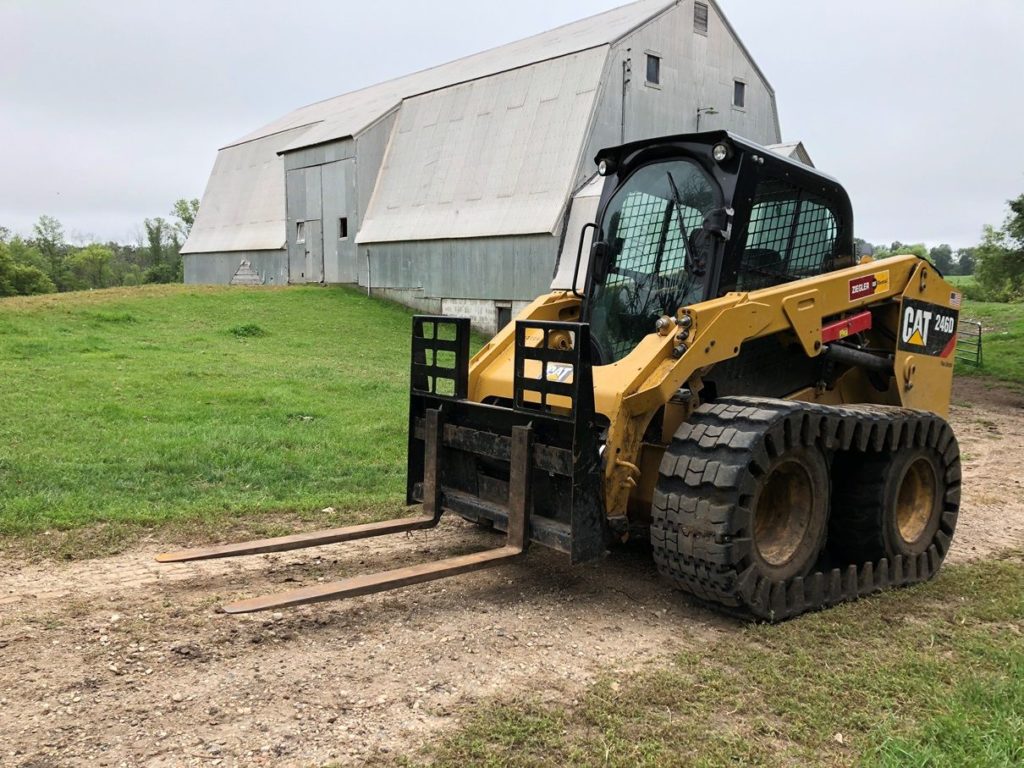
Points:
[(314, 267), (490, 157), (320, 155), (370, 148), (305, 209), (489, 268), (219, 268), (697, 71), (339, 202), (296, 205)]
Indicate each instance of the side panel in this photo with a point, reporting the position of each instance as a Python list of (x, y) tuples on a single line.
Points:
[(926, 330), (219, 268), (496, 268)]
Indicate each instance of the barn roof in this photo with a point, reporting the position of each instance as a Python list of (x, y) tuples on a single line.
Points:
[(489, 156), (243, 208), (350, 113)]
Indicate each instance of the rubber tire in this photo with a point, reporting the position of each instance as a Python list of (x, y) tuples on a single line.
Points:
[(705, 499), (864, 524)]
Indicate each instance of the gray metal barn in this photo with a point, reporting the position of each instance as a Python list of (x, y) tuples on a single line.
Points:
[(452, 189)]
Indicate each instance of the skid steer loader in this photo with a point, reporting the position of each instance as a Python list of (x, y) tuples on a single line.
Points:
[(719, 374)]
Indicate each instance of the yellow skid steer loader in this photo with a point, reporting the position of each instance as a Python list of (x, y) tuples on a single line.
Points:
[(718, 374)]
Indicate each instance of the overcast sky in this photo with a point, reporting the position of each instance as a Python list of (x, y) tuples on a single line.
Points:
[(112, 109)]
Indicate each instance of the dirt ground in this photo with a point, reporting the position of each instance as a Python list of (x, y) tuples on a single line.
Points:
[(122, 662)]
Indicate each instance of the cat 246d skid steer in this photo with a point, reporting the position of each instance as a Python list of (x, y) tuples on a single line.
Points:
[(720, 375)]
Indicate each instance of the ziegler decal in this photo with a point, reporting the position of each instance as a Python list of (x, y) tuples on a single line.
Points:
[(928, 328), (869, 285)]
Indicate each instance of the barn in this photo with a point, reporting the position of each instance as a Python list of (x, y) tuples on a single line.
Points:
[(454, 189)]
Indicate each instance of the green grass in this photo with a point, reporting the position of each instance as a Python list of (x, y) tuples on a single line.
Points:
[(148, 406), (961, 281), (929, 677), (1003, 340)]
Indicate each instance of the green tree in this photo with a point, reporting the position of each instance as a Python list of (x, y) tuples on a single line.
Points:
[(161, 251), (184, 213), (965, 261), (901, 249), (49, 239), (942, 257), (91, 267), (27, 254), (20, 280), (1000, 267)]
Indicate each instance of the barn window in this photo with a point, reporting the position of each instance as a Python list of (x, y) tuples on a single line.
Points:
[(300, 232), (739, 94), (343, 228), (700, 18), (653, 69)]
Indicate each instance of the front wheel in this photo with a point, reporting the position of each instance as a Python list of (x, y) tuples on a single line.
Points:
[(790, 512), (740, 493)]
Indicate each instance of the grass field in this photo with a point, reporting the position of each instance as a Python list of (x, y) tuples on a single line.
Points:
[(1003, 335), (961, 281), (925, 678), (196, 406), (146, 406)]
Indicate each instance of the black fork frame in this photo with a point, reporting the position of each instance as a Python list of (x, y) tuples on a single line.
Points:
[(553, 395)]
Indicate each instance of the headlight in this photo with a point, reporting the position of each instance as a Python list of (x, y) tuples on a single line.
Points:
[(606, 167), (721, 153)]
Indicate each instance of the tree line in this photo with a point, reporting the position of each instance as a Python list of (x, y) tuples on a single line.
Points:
[(46, 262), (962, 261), (997, 263)]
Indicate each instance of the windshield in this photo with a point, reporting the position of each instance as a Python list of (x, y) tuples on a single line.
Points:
[(658, 253)]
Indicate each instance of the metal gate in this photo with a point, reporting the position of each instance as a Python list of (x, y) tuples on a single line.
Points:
[(969, 343)]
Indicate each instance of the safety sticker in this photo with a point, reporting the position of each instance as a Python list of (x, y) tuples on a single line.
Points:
[(869, 285), (560, 373), (928, 329), (955, 299)]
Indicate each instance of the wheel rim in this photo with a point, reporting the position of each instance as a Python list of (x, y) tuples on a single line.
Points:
[(784, 512), (915, 502)]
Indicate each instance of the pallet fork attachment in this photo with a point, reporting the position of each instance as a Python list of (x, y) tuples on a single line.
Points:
[(478, 460), (516, 541)]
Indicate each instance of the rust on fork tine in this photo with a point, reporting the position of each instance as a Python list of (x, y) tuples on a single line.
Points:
[(368, 584), (300, 541)]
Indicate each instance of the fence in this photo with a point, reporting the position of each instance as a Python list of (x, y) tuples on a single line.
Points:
[(968, 343)]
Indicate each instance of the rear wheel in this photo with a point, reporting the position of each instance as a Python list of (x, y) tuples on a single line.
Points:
[(889, 504)]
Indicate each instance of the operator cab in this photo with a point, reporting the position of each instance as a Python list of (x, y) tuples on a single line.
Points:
[(689, 218)]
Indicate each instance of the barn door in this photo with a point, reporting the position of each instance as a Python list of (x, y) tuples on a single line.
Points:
[(314, 264)]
